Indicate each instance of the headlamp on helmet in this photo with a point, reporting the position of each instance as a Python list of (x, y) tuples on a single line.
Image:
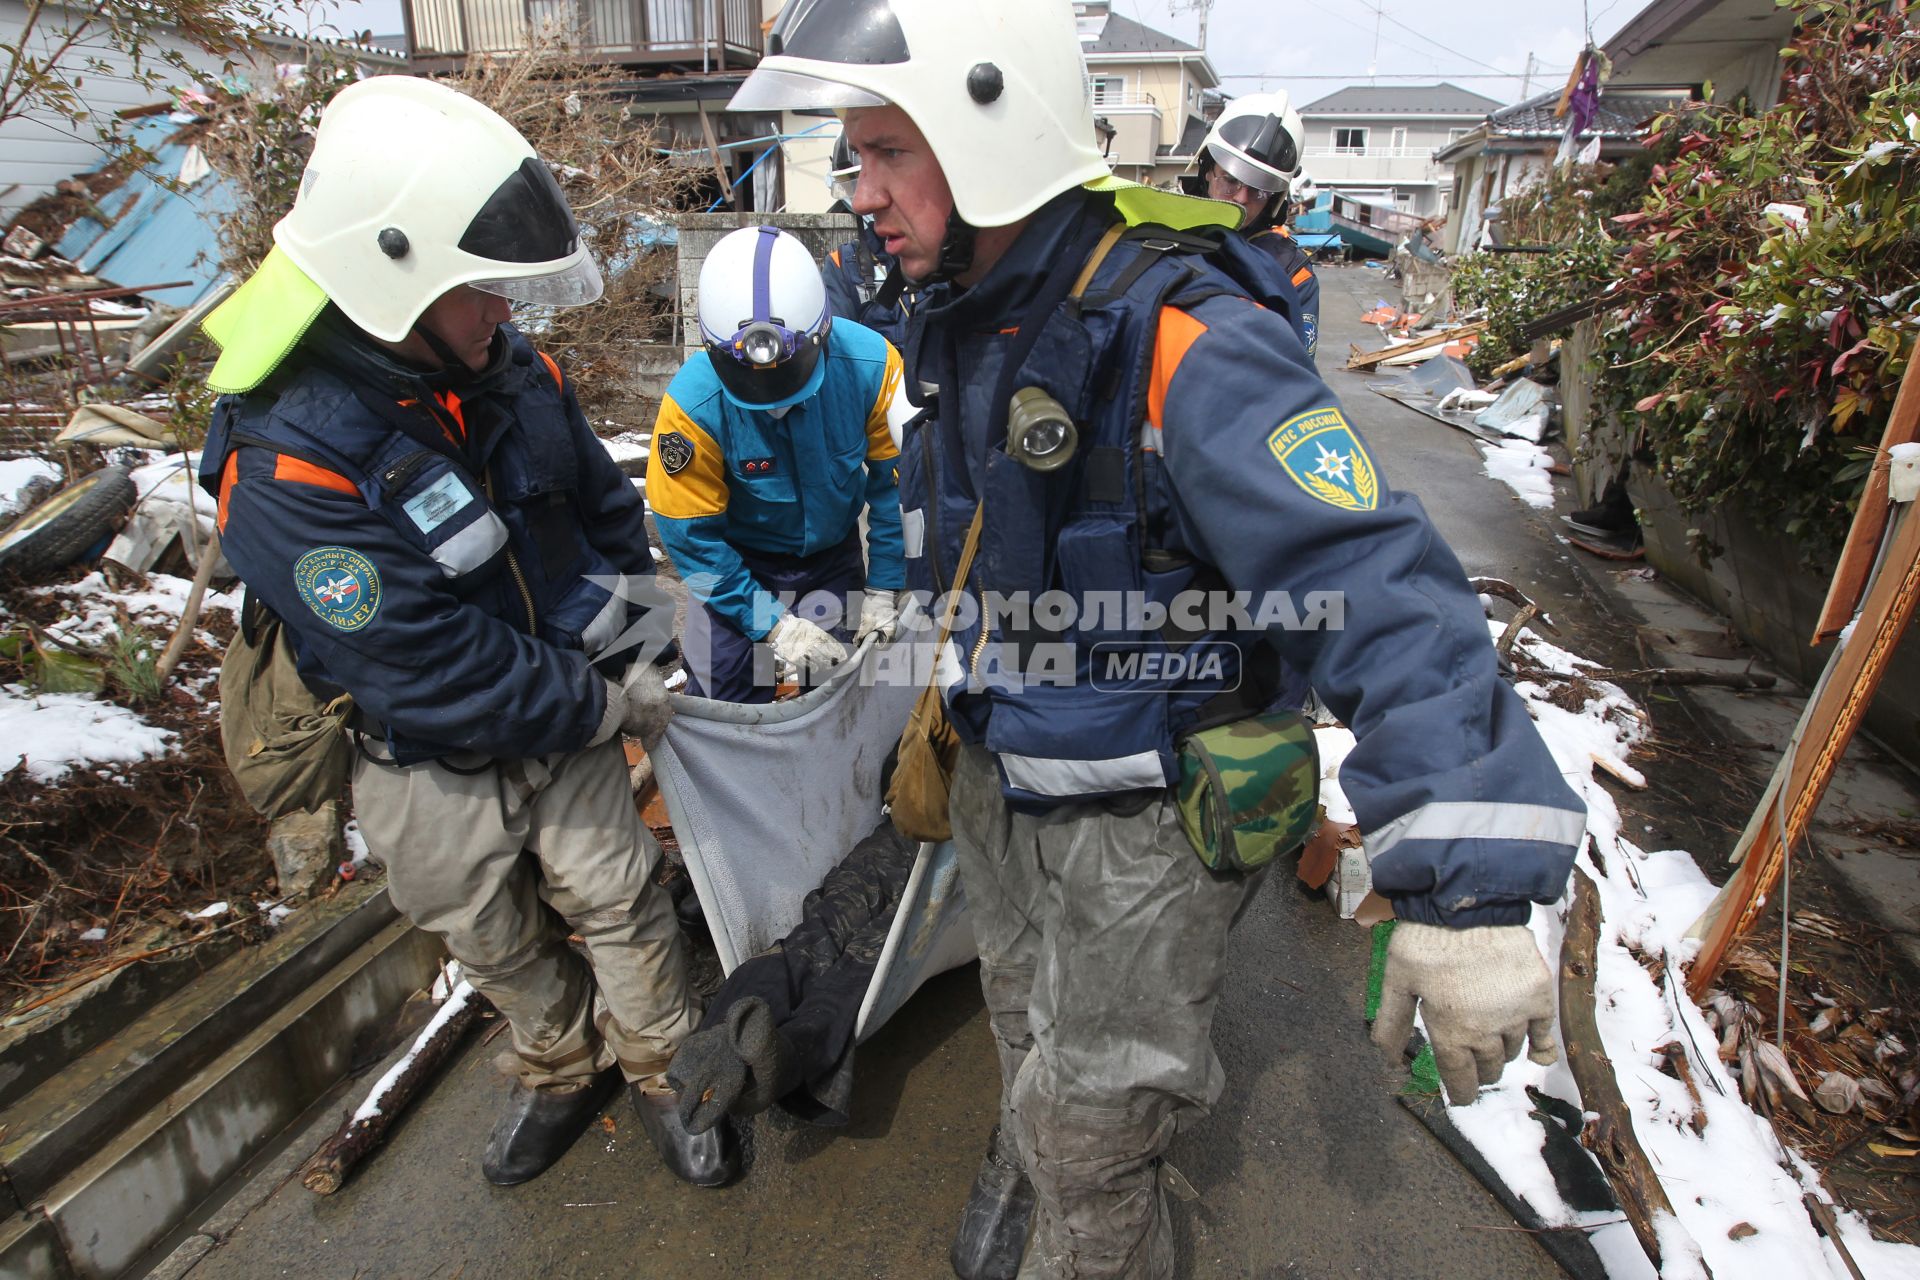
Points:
[(763, 318)]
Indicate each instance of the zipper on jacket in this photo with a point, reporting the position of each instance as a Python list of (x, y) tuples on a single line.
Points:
[(513, 565), (980, 645)]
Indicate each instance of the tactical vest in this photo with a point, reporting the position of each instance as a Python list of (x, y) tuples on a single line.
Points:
[(504, 533), (1095, 708)]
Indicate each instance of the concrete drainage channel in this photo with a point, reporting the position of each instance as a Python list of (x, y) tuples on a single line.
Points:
[(119, 1119)]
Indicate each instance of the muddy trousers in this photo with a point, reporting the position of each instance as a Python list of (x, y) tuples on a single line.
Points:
[(503, 863), (1103, 945)]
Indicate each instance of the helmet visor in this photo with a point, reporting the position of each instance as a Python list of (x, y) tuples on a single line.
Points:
[(575, 284), (526, 219), (1263, 140), (774, 89), (766, 386), (1245, 172), (851, 31)]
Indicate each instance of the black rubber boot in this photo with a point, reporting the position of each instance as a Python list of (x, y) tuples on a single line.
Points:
[(993, 1226), (539, 1125), (710, 1159)]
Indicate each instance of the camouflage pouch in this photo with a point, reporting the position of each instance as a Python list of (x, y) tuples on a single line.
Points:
[(1249, 790)]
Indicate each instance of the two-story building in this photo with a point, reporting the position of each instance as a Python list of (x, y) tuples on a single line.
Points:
[(1149, 92), (1376, 143)]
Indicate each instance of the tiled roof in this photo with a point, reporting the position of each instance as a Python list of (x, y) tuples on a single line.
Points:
[(1621, 115), (1402, 99), (1124, 35)]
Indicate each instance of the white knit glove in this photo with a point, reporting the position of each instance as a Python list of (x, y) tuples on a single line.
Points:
[(879, 616), (1483, 994), (804, 648), (638, 706)]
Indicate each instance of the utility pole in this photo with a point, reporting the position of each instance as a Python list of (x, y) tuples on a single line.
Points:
[(1526, 81), (1199, 6)]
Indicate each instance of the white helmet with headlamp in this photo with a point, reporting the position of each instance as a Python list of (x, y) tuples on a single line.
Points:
[(998, 88), (414, 188), (763, 318)]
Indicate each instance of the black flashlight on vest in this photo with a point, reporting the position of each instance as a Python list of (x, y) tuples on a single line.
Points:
[(1040, 434)]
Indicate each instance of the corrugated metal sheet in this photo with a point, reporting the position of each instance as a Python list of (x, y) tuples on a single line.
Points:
[(159, 233)]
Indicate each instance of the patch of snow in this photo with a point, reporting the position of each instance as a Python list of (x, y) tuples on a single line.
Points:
[(94, 935), (1532, 427), (356, 840), (58, 732), (677, 680), (16, 474), (209, 911), (275, 912), (626, 447), (1522, 467), (446, 980), (98, 606), (1736, 1170)]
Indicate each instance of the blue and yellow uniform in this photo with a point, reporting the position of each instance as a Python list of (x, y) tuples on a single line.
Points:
[(751, 504)]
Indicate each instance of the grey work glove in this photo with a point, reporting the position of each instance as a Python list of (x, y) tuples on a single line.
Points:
[(1484, 994), (804, 648), (742, 1064), (638, 707)]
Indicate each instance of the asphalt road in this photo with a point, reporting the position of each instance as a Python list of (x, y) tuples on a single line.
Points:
[(1308, 1168)]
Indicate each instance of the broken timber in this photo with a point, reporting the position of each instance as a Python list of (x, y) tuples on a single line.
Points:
[(1610, 1135), (353, 1141), (1826, 726), (1440, 338)]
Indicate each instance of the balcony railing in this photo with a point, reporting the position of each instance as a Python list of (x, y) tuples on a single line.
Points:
[(722, 34), (1374, 153), (1124, 101)]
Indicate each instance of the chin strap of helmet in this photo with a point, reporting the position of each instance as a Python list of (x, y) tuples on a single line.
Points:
[(956, 255)]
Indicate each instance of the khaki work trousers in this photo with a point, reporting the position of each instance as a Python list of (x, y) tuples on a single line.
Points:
[(503, 863), (1103, 944)]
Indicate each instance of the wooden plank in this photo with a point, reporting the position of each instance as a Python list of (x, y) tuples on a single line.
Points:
[(713, 151), (1870, 518), (1826, 727), (1368, 359)]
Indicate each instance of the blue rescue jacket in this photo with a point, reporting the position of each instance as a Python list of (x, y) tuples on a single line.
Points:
[(1213, 469), (721, 478), (1298, 268), (453, 553), (853, 274)]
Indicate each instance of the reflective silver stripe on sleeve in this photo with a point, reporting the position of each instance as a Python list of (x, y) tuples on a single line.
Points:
[(913, 532), (1475, 820), (1045, 777), (610, 621), (472, 547)]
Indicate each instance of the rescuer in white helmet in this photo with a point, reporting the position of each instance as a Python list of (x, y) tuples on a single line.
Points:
[(771, 442), (410, 489), (1115, 429)]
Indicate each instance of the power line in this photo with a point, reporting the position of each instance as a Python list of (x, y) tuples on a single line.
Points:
[(1388, 75), (1436, 44)]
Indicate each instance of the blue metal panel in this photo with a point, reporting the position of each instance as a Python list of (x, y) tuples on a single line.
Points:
[(158, 233)]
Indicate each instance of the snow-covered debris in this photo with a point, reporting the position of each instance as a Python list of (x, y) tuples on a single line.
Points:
[(453, 1004), (97, 606), (1522, 467), (1736, 1190), (58, 732), (628, 446)]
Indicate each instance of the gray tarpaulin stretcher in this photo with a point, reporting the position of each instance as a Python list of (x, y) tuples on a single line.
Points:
[(765, 799)]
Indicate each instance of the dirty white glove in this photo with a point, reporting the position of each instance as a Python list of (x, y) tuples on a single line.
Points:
[(804, 648), (879, 616), (638, 706), (1483, 993)]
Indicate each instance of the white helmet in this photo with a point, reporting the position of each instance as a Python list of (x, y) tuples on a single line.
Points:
[(414, 188), (1302, 192), (843, 170), (764, 318), (997, 86), (1259, 141)]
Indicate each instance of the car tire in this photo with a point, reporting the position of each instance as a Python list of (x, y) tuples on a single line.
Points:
[(68, 524)]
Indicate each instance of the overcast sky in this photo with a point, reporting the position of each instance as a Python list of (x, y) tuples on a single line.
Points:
[(1311, 49)]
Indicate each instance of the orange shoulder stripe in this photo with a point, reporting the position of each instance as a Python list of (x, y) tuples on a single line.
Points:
[(1303, 275), (1177, 334), (554, 368), (228, 474), (835, 255), (297, 469)]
